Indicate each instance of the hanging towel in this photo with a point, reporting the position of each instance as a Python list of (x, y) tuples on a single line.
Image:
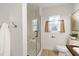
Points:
[(4, 40)]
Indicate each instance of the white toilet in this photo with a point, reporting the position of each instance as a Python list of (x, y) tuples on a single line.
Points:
[(62, 50)]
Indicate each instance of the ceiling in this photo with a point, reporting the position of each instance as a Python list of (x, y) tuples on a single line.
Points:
[(43, 5)]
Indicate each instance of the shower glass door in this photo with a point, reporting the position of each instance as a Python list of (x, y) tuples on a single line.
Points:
[(33, 31)]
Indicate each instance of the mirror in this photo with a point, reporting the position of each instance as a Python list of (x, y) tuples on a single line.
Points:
[(75, 21)]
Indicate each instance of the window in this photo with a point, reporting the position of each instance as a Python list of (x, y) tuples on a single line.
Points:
[(54, 24), (34, 24)]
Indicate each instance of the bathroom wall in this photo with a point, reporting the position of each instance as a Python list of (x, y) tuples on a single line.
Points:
[(4, 13), (9, 13), (15, 15), (65, 12), (76, 7)]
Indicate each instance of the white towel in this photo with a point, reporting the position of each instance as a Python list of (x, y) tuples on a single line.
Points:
[(4, 40)]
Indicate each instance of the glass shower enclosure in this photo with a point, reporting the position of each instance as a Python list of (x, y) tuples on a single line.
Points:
[(33, 30)]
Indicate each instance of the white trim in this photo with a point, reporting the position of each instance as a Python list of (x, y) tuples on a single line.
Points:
[(24, 26)]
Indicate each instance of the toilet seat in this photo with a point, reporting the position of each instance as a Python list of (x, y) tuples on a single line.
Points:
[(62, 48)]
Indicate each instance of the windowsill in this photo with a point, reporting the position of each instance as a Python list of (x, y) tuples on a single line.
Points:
[(55, 32)]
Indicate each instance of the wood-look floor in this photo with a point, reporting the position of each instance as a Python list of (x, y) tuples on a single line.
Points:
[(46, 52)]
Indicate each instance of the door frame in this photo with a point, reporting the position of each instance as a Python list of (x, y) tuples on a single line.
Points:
[(24, 28)]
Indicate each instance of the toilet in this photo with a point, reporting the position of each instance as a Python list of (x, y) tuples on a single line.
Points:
[(62, 50)]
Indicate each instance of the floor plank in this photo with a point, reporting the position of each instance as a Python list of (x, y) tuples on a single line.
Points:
[(47, 52)]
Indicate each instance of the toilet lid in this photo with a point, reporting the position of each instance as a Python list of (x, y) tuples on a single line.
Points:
[(62, 48)]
